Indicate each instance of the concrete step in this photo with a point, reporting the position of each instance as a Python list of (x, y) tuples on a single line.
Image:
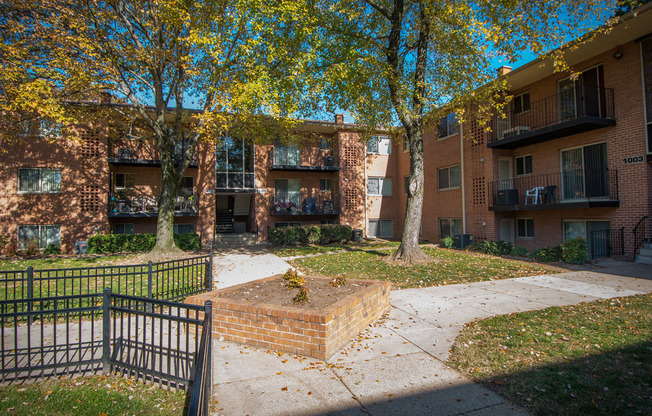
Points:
[(236, 239), (643, 259), (647, 245), (647, 252)]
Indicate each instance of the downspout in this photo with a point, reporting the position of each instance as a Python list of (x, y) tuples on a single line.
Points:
[(364, 186), (462, 182)]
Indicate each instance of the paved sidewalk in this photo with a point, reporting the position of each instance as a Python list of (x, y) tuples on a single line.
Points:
[(235, 265), (397, 366)]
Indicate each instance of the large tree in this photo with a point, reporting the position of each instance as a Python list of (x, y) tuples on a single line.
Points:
[(403, 64), (227, 59)]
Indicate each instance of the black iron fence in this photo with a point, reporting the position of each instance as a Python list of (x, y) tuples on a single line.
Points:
[(640, 232), (291, 157), (305, 203), (153, 340), (141, 150), (170, 280), (148, 204), (567, 186), (607, 243), (569, 105)]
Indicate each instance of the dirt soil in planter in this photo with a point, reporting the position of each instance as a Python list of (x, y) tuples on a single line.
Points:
[(275, 292)]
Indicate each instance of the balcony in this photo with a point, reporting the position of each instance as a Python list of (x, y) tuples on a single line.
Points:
[(573, 111), (147, 206), (594, 188), (235, 182), (310, 204), (138, 152), (289, 159)]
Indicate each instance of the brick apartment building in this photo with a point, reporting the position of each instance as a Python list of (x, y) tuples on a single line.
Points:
[(571, 157)]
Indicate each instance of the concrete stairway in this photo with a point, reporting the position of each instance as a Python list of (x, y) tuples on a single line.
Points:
[(645, 253), (233, 239)]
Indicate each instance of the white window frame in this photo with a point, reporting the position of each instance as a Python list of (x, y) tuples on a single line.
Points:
[(42, 244), (516, 164), (124, 228), (379, 145), (451, 227), (449, 187), (329, 182), (520, 96), (384, 186), (524, 236), (40, 181), (449, 132), (379, 227)]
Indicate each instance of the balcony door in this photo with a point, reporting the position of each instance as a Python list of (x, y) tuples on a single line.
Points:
[(584, 96), (505, 174), (584, 172), (286, 155), (288, 189)]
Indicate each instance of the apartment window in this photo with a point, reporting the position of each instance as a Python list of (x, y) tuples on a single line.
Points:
[(287, 224), (326, 185), (523, 165), (380, 228), (234, 164), (285, 154), (646, 59), (379, 186), (288, 189), (39, 180), (448, 126), (521, 103), (325, 143), (187, 186), (449, 178), (449, 227), (524, 228), (183, 228), (123, 229), (43, 235), (327, 222), (379, 145), (406, 184), (123, 180)]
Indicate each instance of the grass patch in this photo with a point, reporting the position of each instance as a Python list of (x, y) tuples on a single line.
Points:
[(586, 359), (285, 251), (446, 267), (64, 262), (95, 395)]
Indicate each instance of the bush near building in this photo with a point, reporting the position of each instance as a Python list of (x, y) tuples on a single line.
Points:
[(119, 243), (310, 234)]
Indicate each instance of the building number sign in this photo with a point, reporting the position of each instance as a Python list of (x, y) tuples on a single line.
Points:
[(633, 159)]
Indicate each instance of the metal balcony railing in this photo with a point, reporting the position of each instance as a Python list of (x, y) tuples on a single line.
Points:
[(585, 185), (588, 104), (147, 205), (139, 151), (289, 158), (304, 203)]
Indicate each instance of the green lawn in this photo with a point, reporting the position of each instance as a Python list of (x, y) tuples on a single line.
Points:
[(284, 251), (64, 262), (446, 267), (92, 396), (588, 359)]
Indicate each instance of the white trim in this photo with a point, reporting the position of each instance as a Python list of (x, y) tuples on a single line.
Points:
[(526, 237), (516, 175)]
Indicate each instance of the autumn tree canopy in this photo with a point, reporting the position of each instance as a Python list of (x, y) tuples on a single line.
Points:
[(403, 64), (226, 58)]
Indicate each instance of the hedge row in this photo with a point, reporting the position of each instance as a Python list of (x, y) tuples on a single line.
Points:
[(118, 243), (310, 234), (571, 251)]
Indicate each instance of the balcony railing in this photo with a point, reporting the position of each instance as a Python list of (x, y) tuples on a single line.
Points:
[(138, 152), (147, 206), (234, 181), (570, 112), (289, 159), (305, 204), (584, 188)]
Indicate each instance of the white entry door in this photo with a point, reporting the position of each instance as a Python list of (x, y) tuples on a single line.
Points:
[(507, 230), (505, 174)]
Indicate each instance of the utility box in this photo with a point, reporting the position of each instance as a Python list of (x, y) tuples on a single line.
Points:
[(463, 240), (507, 197), (81, 247), (357, 236)]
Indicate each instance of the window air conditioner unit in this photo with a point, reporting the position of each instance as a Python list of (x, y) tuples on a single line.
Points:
[(125, 153), (515, 131)]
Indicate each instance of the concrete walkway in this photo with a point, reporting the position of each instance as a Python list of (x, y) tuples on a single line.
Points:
[(236, 265), (397, 366)]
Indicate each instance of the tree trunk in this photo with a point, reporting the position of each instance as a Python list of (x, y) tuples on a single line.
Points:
[(409, 250), (170, 180)]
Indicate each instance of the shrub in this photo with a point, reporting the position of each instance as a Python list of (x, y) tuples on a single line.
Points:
[(338, 281), (32, 249), (309, 234), (117, 243), (574, 251), (448, 242), (495, 248), (302, 296), (519, 251), (293, 279), (547, 254), (11, 249), (52, 249)]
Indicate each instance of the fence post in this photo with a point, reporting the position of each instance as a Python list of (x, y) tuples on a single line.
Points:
[(149, 285), (30, 293), (106, 330), (208, 275), (208, 326), (622, 241)]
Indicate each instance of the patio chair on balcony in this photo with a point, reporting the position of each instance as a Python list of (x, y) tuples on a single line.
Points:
[(534, 194), (549, 194)]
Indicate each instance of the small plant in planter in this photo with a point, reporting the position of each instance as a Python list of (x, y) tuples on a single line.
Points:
[(338, 281), (293, 279), (301, 297)]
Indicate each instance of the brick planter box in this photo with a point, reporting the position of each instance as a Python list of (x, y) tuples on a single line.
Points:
[(314, 333)]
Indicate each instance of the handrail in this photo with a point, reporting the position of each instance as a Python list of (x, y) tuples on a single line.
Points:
[(202, 382), (642, 223)]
